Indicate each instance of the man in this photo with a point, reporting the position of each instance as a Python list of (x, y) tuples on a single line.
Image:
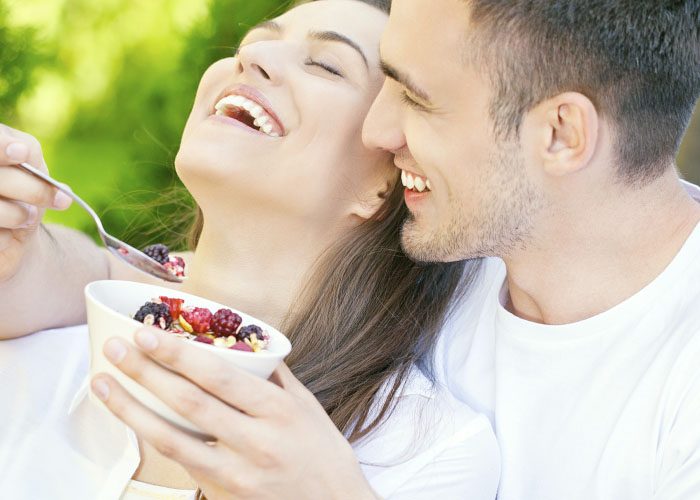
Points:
[(546, 132)]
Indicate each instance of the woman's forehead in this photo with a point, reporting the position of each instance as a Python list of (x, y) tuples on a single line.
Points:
[(352, 18)]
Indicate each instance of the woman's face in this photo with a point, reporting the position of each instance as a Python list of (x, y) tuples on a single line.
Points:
[(313, 74)]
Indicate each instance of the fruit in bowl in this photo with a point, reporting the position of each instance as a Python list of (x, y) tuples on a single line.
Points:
[(224, 328), (113, 308)]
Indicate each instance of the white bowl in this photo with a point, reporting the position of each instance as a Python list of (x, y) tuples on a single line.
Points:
[(110, 305)]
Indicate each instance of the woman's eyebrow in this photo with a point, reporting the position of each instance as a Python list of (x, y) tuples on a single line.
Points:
[(323, 36), (334, 36), (267, 25)]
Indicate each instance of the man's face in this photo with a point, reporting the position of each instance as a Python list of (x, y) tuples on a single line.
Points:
[(433, 113)]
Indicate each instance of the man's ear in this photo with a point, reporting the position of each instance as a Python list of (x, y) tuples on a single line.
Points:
[(567, 133)]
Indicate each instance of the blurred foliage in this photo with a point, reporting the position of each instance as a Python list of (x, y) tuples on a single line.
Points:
[(18, 59), (107, 85)]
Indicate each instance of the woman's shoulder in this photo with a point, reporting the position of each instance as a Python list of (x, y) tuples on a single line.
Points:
[(425, 405), (431, 434)]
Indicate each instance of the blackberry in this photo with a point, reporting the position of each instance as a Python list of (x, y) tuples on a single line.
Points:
[(247, 331), (158, 252), (156, 314), (225, 322)]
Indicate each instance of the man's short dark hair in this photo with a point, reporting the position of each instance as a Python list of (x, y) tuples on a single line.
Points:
[(637, 60)]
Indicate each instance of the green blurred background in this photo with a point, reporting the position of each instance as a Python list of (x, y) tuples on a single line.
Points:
[(106, 86)]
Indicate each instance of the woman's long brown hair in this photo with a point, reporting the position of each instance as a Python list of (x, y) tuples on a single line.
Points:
[(367, 316)]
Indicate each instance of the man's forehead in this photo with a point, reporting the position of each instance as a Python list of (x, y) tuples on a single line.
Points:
[(423, 40)]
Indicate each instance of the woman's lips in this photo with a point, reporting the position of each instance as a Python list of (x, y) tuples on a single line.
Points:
[(246, 99)]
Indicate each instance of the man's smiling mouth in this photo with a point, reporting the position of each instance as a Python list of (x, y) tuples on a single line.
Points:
[(415, 182)]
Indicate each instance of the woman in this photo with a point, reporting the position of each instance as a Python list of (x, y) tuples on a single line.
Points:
[(303, 222)]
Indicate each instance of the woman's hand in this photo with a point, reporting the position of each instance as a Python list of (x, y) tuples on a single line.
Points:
[(23, 198), (273, 440)]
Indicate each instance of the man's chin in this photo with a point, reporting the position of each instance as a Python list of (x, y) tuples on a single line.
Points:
[(435, 245), (421, 245)]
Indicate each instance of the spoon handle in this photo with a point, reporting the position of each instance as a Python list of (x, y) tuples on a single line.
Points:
[(63, 189)]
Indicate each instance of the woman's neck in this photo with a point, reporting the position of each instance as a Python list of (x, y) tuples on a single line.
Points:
[(253, 265)]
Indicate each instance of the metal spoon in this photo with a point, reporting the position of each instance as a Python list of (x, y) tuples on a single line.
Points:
[(127, 253)]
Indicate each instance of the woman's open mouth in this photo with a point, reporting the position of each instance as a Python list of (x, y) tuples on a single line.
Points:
[(249, 113)]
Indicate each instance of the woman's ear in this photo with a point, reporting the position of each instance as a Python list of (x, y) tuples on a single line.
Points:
[(567, 133), (366, 208)]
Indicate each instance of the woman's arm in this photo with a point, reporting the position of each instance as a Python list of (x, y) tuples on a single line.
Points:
[(47, 289)]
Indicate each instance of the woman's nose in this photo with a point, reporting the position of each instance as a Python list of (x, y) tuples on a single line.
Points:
[(261, 61)]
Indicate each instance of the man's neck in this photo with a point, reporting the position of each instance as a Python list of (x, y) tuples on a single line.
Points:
[(601, 253)]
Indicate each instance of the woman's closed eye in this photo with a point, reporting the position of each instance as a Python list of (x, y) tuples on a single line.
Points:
[(325, 66)]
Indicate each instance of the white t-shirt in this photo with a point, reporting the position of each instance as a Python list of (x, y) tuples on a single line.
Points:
[(605, 408), (432, 445)]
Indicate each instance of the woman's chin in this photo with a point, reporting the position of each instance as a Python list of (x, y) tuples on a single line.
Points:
[(201, 161)]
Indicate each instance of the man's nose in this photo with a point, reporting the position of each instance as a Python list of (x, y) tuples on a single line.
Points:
[(382, 128)]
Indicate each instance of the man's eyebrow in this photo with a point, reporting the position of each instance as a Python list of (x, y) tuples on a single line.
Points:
[(405, 80), (333, 36)]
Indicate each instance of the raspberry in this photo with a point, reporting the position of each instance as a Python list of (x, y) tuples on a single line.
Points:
[(156, 314), (197, 318), (241, 346), (246, 332), (175, 305), (225, 322), (157, 252)]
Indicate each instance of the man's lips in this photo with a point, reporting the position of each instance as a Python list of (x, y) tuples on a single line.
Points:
[(238, 99)]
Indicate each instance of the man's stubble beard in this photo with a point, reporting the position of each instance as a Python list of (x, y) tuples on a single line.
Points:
[(502, 223)]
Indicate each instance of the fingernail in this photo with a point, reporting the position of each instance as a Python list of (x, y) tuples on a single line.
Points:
[(61, 201), (101, 389), (115, 350), (17, 151), (146, 340)]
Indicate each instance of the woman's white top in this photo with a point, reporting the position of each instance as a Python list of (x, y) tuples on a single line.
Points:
[(55, 444), (137, 490)]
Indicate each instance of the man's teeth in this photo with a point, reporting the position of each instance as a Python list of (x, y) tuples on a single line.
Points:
[(415, 182), (262, 120)]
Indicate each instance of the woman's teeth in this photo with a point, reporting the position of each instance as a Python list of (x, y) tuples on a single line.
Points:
[(231, 103), (415, 182)]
